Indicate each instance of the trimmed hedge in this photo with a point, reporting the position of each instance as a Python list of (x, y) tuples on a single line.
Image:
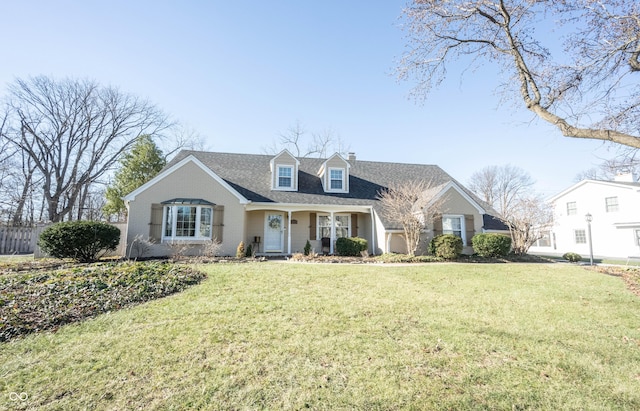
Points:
[(491, 244), (83, 241), (31, 302), (447, 246), (351, 246)]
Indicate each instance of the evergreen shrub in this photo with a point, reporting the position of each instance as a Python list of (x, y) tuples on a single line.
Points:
[(83, 241), (572, 257), (351, 246), (447, 246), (491, 244)]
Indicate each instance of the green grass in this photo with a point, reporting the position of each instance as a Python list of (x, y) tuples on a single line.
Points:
[(327, 336)]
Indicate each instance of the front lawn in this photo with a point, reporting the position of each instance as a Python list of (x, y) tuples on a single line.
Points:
[(326, 336)]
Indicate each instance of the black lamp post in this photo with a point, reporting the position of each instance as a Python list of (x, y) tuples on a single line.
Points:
[(589, 218)]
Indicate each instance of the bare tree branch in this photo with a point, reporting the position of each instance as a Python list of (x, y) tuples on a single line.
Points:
[(587, 92), (320, 145), (73, 132)]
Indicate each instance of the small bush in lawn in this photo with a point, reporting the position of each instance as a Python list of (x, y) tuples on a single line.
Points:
[(447, 246), (491, 244), (572, 257), (211, 248), (84, 241), (351, 246), (249, 252), (140, 246), (240, 250), (307, 248)]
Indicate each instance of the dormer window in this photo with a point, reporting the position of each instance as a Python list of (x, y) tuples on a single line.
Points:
[(336, 176), (285, 177), (284, 172)]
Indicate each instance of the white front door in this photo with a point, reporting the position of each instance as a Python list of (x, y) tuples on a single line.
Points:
[(273, 232)]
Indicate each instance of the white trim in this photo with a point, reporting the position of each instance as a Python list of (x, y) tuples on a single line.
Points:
[(463, 228), (294, 207), (276, 183), (628, 186), (285, 151), (196, 237), (627, 225), (190, 158), (343, 180)]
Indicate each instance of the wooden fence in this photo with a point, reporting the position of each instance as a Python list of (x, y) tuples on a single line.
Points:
[(16, 240), (24, 240)]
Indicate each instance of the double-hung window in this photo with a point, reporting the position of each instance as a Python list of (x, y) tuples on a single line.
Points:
[(580, 236), (453, 225), (187, 219), (285, 177), (544, 240), (572, 208), (336, 179), (342, 224), (611, 204)]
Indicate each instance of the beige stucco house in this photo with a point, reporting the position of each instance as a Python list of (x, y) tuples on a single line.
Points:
[(277, 203)]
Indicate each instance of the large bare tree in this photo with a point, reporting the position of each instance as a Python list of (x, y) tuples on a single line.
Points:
[(587, 89), (501, 186), (413, 206), (508, 189), (71, 133)]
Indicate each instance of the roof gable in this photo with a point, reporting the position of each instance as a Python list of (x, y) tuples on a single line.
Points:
[(341, 166), (617, 184), (451, 185), (284, 154), (176, 165)]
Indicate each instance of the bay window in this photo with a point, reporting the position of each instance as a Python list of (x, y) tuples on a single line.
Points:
[(190, 219)]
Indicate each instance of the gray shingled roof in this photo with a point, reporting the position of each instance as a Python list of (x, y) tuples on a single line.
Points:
[(250, 175)]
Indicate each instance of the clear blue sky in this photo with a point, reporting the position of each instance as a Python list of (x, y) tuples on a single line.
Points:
[(241, 72)]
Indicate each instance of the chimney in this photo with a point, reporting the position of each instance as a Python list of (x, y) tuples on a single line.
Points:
[(626, 177), (352, 157)]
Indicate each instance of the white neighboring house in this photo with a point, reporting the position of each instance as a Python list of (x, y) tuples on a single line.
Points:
[(614, 207)]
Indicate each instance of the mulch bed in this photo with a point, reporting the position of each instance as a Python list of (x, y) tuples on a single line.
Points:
[(630, 275)]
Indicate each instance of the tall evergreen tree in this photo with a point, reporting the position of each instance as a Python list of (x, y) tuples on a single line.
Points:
[(137, 166)]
